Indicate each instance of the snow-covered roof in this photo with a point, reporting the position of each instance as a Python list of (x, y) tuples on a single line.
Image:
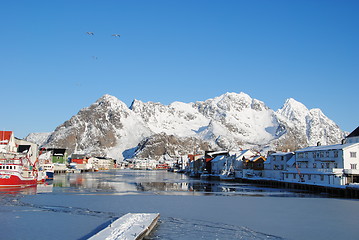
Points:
[(326, 148), (281, 153), (217, 153)]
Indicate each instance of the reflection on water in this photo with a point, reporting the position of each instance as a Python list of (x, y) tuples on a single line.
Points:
[(159, 182), (150, 182)]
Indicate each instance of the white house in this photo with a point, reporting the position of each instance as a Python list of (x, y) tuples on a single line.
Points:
[(277, 163), (218, 164), (326, 165)]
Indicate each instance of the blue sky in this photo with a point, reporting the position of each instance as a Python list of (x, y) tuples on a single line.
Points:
[(175, 51)]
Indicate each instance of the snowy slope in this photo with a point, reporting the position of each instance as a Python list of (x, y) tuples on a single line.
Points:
[(38, 138), (230, 121)]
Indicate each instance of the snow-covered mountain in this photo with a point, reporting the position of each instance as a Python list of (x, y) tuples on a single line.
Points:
[(231, 121)]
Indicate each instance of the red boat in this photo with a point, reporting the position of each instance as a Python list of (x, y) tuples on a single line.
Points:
[(16, 172)]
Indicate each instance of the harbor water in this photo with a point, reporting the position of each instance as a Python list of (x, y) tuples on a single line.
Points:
[(76, 205)]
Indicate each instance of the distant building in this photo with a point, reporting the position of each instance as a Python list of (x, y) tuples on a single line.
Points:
[(28, 148), (277, 163), (78, 158), (59, 155)]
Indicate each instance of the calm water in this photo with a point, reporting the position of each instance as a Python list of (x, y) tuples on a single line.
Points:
[(189, 208), (160, 182)]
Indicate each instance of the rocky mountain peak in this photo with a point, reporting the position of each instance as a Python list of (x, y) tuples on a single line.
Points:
[(294, 111), (232, 120), (111, 102)]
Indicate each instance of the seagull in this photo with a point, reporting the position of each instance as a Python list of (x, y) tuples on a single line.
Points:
[(116, 35), (90, 33)]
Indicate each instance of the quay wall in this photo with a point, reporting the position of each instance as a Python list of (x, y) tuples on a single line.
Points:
[(344, 191)]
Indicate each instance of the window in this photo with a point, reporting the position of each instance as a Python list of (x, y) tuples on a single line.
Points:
[(353, 154), (335, 165), (306, 155), (309, 177), (294, 176), (286, 175), (327, 154), (321, 177), (322, 164), (327, 165), (335, 154), (321, 154), (353, 166), (314, 154), (314, 165)]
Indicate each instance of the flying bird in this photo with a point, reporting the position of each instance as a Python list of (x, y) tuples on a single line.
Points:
[(90, 33), (116, 35)]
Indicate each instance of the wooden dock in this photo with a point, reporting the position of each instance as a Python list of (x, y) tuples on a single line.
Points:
[(132, 226)]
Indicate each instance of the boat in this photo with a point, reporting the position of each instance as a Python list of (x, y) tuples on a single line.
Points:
[(49, 169), (16, 171), (46, 164)]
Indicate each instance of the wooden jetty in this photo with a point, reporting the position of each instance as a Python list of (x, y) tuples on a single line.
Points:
[(132, 226)]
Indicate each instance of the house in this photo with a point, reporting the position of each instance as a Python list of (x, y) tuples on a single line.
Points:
[(254, 163), (59, 155), (237, 161), (7, 142), (253, 166), (105, 163), (326, 165), (208, 157), (277, 163), (78, 158), (218, 164)]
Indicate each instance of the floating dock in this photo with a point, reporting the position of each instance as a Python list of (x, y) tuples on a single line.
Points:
[(132, 226)]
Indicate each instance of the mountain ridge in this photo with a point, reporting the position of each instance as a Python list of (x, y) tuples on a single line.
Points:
[(230, 121)]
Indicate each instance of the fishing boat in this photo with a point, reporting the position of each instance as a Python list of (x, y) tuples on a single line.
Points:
[(46, 164), (16, 171)]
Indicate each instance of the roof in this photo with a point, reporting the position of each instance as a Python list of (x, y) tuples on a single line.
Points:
[(355, 133), (78, 156), (281, 153), (256, 158), (5, 137), (326, 148)]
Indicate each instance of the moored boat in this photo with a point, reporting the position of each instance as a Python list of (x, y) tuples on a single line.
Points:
[(46, 164), (16, 171)]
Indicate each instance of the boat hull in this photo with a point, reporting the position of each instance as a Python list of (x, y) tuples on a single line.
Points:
[(49, 175), (14, 180)]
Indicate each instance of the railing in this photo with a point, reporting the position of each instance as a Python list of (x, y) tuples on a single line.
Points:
[(351, 171)]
